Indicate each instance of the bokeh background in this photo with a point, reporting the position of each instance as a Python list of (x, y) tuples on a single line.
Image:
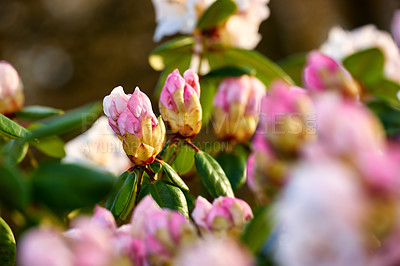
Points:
[(70, 52)]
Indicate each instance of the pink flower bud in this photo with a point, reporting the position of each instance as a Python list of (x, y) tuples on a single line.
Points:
[(225, 215), (287, 118), (180, 103), (132, 119), (237, 107), (43, 247), (323, 73), (163, 231), (11, 95)]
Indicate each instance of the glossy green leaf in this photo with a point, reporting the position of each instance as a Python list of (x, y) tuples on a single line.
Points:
[(230, 71), (293, 65), (212, 175), (385, 90), (118, 183), (155, 167), (15, 151), (65, 187), (121, 203), (389, 116), (234, 166), (166, 195), (266, 70), (11, 129), (366, 66), (174, 177), (8, 247), (257, 231), (216, 14), (36, 112), (184, 161), (51, 146), (77, 119), (171, 51), (168, 151)]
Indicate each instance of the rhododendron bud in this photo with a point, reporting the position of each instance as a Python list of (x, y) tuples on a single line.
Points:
[(11, 95), (237, 107), (163, 231), (224, 216), (180, 103), (287, 118), (132, 119), (323, 73)]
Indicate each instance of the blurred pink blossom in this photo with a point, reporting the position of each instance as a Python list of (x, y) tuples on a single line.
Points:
[(11, 95), (224, 216)]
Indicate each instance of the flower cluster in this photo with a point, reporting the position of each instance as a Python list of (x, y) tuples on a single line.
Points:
[(155, 236)]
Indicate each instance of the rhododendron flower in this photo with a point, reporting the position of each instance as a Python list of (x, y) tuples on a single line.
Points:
[(341, 44), (287, 118), (180, 103), (240, 30), (163, 231), (237, 107), (320, 216), (215, 251), (98, 147), (11, 95), (132, 119), (323, 73), (224, 216)]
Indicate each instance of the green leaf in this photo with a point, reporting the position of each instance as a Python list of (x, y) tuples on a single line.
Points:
[(118, 183), (234, 166), (121, 203), (266, 70), (184, 161), (294, 65), (366, 66), (166, 195), (51, 146), (36, 112), (15, 151), (170, 52), (168, 150), (155, 167), (389, 116), (14, 192), (216, 14), (212, 176), (174, 177), (258, 230), (11, 129), (230, 71), (8, 248), (64, 187), (385, 90), (77, 119)]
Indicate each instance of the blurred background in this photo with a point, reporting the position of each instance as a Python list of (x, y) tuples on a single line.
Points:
[(70, 52)]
